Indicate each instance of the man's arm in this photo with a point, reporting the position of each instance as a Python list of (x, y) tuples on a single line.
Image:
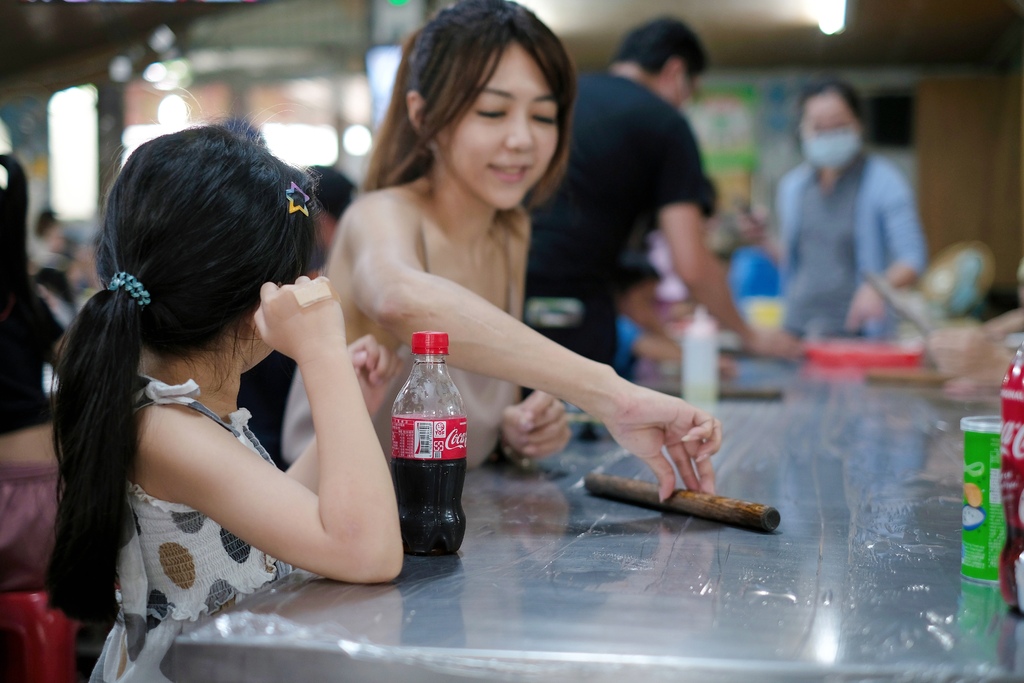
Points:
[(683, 227)]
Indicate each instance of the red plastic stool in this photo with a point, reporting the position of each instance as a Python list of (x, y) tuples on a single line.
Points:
[(46, 638)]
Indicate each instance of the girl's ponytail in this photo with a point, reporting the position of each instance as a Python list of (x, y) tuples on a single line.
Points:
[(95, 437)]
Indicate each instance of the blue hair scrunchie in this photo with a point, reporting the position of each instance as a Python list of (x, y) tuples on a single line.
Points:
[(130, 285)]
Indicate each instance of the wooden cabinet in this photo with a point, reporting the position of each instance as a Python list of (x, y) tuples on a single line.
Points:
[(968, 140)]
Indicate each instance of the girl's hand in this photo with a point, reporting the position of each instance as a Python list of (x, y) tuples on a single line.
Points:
[(375, 366), (645, 421), (537, 426), (301, 332)]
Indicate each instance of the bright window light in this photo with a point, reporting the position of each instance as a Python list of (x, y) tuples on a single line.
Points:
[(302, 144), (381, 66), (172, 114), (136, 134), (155, 72), (173, 111), (357, 140), (5, 139), (74, 153), (831, 16)]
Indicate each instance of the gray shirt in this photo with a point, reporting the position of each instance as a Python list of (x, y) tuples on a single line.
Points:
[(820, 290)]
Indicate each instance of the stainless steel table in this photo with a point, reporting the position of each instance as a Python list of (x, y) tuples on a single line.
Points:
[(861, 581)]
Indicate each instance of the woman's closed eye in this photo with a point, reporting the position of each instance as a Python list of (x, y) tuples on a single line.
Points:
[(495, 114)]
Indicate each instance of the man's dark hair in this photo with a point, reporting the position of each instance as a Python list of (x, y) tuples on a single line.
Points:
[(840, 87), (657, 41)]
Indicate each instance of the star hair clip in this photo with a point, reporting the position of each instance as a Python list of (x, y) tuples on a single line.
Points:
[(295, 203)]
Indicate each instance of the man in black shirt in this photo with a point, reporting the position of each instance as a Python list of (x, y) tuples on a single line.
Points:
[(632, 155)]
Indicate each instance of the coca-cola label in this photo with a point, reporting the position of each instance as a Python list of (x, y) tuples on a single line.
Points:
[(1012, 439), (419, 438), (1011, 444), (1012, 394)]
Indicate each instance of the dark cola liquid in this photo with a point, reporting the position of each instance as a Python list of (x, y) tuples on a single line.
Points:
[(429, 496)]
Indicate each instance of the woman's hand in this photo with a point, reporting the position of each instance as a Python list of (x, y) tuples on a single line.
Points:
[(645, 421), (867, 305), (375, 366), (969, 353), (303, 321), (536, 427), (774, 343)]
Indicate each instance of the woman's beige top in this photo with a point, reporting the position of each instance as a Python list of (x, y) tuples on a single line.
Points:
[(485, 398)]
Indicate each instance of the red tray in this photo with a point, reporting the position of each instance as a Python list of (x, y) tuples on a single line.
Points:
[(864, 354)]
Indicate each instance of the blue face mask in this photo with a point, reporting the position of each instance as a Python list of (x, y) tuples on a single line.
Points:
[(831, 148)]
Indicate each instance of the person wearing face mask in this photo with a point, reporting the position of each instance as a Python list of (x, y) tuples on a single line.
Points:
[(843, 213)]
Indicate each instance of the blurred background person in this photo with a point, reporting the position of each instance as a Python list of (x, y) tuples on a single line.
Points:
[(843, 213), (50, 269), (50, 233), (264, 388), (640, 330), (633, 154), (643, 334), (28, 464), (334, 191)]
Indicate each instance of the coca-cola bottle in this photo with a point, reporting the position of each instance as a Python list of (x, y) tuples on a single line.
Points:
[(1011, 453), (428, 451)]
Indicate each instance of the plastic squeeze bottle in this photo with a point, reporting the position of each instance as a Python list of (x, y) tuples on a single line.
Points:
[(700, 361)]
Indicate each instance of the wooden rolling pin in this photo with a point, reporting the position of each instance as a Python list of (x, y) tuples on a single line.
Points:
[(717, 508)]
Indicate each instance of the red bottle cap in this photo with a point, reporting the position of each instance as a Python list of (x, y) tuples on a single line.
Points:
[(435, 343)]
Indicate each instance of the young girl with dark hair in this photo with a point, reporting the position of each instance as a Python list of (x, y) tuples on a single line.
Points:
[(479, 118), (28, 468), (165, 493)]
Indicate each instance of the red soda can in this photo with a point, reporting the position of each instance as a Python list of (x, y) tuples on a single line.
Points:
[(1011, 453), (428, 451)]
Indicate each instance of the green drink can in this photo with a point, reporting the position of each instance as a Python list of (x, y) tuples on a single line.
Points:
[(984, 527)]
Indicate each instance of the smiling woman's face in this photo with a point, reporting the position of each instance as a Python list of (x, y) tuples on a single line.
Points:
[(504, 143)]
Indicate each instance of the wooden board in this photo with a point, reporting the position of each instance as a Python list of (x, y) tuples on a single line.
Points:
[(750, 394), (916, 377)]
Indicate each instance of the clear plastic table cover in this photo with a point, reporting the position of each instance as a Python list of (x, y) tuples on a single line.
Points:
[(860, 582)]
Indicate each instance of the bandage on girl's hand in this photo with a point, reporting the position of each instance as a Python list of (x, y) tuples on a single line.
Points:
[(300, 320), (312, 292)]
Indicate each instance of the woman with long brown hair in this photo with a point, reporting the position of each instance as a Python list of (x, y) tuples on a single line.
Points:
[(479, 120)]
